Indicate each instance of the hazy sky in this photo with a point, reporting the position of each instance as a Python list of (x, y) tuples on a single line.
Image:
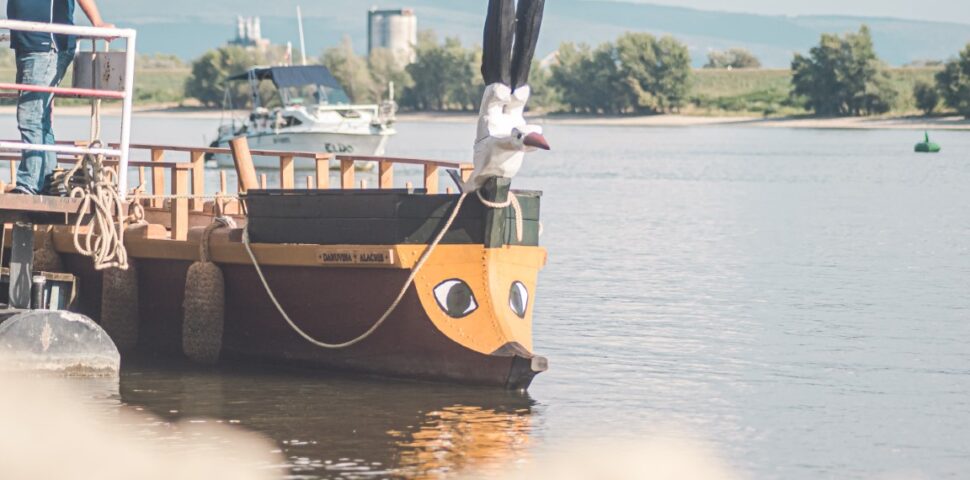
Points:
[(940, 10)]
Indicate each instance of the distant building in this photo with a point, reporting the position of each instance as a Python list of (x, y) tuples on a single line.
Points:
[(248, 34), (395, 30)]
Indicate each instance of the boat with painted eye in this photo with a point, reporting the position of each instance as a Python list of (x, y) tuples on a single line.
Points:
[(418, 282), (423, 282), (331, 263)]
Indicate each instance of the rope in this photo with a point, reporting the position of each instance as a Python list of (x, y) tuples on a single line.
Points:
[(516, 209), (187, 196), (387, 313), (105, 237), (97, 188), (205, 255), (136, 210), (513, 201)]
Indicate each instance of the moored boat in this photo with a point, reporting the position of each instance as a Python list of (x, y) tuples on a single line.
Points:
[(408, 282), (314, 115), (333, 260)]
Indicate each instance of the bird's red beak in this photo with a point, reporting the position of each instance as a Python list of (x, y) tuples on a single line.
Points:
[(536, 140)]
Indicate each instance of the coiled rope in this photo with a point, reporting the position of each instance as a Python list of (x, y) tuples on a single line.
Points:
[(102, 215), (103, 209)]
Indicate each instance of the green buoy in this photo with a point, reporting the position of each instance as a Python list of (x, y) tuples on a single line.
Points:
[(926, 146)]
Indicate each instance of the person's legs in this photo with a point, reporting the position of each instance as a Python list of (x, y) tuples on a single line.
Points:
[(64, 60), (35, 68)]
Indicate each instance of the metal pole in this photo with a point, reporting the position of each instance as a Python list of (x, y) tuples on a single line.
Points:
[(299, 18), (64, 29), (37, 292), (95, 103), (59, 148), (21, 265), (126, 115)]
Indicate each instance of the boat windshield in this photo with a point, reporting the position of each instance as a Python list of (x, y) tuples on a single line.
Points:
[(298, 84)]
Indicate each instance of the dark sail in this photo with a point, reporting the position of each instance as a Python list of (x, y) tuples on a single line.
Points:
[(528, 21), (497, 44)]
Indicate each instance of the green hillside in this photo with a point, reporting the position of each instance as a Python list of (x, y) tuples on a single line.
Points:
[(713, 92), (766, 92)]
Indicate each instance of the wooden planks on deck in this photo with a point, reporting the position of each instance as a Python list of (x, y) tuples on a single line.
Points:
[(38, 209)]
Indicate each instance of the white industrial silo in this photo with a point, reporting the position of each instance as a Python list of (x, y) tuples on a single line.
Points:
[(395, 30)]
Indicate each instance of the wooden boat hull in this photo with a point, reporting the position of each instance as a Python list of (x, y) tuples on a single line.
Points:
[(335, 305), (336, 261)]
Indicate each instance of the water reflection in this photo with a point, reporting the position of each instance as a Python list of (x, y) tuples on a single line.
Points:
[(331, 426), (464, 438)]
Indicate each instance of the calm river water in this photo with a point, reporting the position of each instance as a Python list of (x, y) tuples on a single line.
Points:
[(796, 300)]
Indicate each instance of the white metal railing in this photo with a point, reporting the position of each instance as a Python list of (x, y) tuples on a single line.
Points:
[(126, 34), (108, 152)]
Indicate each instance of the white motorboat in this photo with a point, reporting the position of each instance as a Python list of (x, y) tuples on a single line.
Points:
[(328, 123)]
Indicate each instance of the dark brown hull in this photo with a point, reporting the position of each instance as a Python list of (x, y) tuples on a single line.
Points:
[(331, 304)]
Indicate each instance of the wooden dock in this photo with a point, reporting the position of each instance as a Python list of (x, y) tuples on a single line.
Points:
[(172, 190)]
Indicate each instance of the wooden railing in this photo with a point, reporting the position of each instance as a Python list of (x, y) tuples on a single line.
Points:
[(183, 204)]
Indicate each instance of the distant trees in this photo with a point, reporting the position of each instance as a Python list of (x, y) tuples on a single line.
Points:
[(159, 61), (954, 83), (923, 63), (444, 76), (843, 76), (350, 70), (207, 82), (588, 80), (365, 79), (731, 59), (927, 97), (656, 72), (385, 68), (638, 73)]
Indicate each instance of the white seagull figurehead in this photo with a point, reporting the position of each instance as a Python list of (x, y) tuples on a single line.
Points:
[(504, 137)]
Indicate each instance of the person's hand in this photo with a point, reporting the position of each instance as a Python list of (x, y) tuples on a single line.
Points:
[(105, 25)]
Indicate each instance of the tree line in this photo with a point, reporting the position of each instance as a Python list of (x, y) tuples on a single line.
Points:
[(951, 87), (637, 73), (844, 76)]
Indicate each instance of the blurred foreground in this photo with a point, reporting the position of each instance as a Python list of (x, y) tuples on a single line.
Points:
[(53, 428)]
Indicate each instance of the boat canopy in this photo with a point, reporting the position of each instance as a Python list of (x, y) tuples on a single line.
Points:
[(294, 76), (328, 89)]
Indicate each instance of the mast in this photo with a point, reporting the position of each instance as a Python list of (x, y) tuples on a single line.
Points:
[(299, 19)]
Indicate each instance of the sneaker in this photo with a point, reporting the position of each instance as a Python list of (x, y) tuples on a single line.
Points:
[(55, 183)]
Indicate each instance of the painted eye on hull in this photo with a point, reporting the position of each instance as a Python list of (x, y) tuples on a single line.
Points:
[(519, 299), (455, 297)]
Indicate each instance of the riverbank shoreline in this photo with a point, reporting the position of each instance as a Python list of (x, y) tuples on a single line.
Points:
[(650, 121), (669, 120)]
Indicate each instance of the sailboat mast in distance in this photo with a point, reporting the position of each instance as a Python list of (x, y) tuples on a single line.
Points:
[(299, 20)]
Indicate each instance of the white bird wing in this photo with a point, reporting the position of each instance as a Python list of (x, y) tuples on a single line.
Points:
[(493, 117), (496, 152)]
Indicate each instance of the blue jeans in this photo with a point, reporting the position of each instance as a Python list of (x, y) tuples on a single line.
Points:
[(34, 114)]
